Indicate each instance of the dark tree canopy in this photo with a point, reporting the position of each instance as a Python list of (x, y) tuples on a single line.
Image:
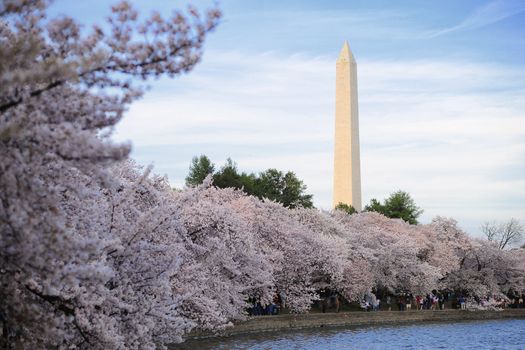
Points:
[(228, 176), (399, 205), (200, 167), (273, 184), (284, 188), (376, 206), (346, 208)]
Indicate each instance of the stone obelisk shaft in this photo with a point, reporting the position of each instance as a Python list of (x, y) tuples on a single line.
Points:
[(347, 168)]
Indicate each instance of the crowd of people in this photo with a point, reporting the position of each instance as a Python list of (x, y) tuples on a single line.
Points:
[(437, 301), (259, 309), (404, 301)]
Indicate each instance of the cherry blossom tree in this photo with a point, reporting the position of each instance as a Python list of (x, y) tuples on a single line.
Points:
[(482, 271), (224, 266), (306, 260), (357, 277), (480, 268), (517, 270), (61, 92), (142, 213), (398, 253)]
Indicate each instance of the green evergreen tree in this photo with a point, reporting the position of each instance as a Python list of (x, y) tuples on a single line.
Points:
[(284, 188), (376, 206), (273, 184), (346, 208), (399, 205), (228, 176), (200, 167)]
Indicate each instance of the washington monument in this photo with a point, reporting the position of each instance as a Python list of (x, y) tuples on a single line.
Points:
[(347, 168)]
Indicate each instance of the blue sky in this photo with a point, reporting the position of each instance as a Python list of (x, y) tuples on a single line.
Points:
[(441, 91)]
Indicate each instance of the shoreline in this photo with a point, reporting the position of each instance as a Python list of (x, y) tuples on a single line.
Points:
[(285, 323)]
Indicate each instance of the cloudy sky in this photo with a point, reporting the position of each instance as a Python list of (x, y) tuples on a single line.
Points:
[(441, 99)]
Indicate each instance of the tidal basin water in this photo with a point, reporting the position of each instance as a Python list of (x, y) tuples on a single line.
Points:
[(498, 334)]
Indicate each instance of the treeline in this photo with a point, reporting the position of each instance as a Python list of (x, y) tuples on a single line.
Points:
[(272, 184), (287, 189), (399, 205)]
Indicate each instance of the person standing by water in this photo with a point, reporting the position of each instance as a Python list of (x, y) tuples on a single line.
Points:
[(375, 305), (408, 302), (419, 302), (441, 302), (462, 303), (402, 303)]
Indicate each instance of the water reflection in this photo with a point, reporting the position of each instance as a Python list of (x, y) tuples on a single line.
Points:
[(479, 335)]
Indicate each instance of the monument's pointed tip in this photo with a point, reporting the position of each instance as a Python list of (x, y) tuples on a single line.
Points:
[(346, 53)]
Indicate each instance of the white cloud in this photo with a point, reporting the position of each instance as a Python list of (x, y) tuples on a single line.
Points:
[(451, 133)]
